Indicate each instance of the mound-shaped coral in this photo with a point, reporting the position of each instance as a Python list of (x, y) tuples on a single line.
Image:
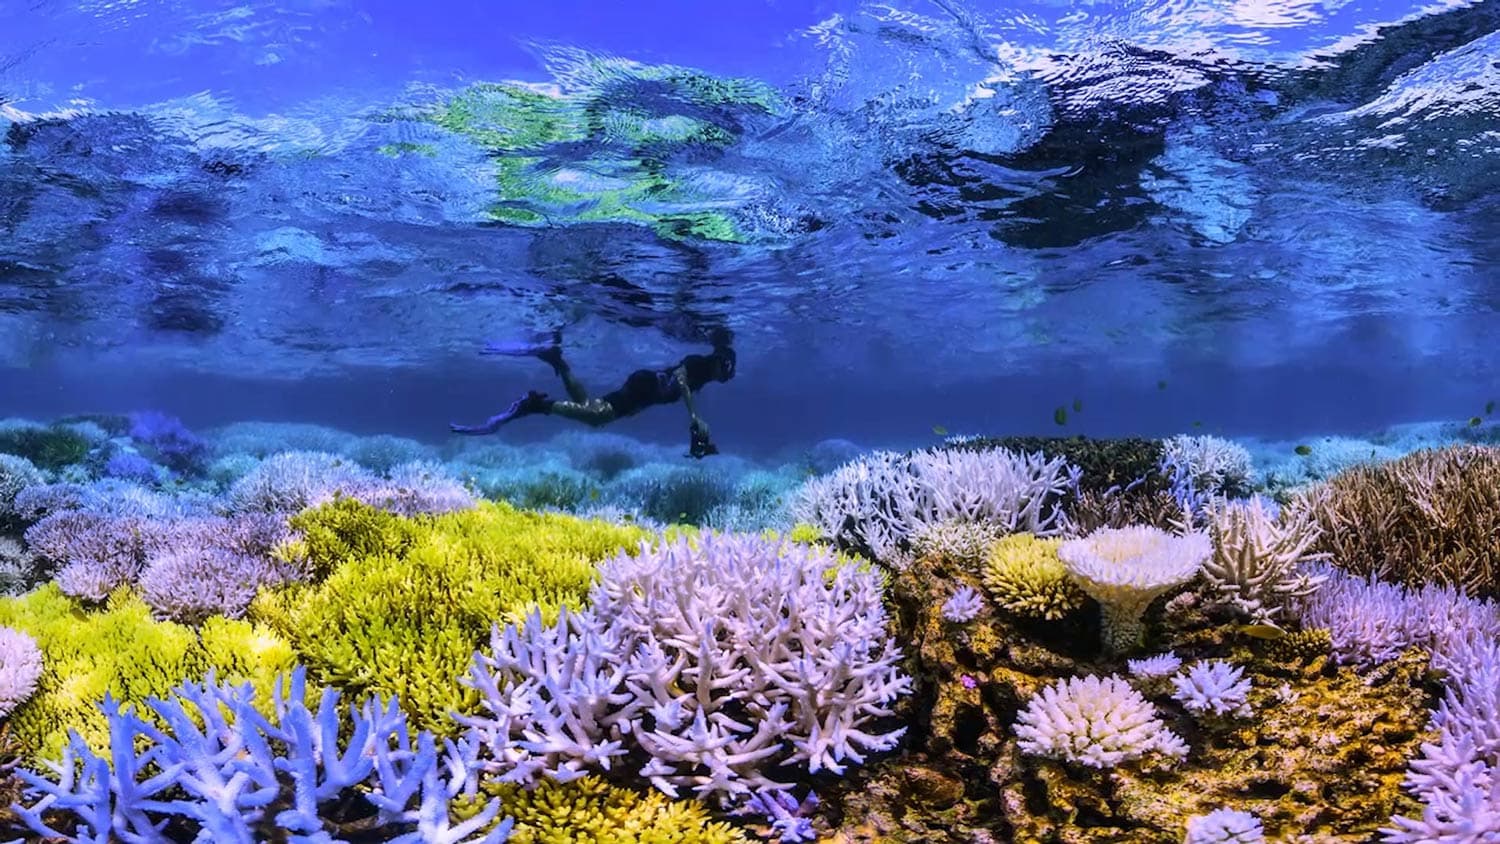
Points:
[(1099, 722), (591, 811), (1024, 575)]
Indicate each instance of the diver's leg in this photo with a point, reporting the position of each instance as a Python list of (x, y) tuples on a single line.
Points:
[(594, 412), (529, 404), (548, 349)]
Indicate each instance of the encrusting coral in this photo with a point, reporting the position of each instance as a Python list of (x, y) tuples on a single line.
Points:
[(373, 624)]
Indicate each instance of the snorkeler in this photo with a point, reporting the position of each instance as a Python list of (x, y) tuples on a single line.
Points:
[(642, 389)]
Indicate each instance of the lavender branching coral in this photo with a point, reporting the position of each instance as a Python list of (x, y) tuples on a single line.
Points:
[(1099, 722), (1213, 689), (963, 605), (1125, 569), (241, 776), (1224, 826), (715, 660)]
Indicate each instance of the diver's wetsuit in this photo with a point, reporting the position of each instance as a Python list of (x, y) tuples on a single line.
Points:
[(644, 388)]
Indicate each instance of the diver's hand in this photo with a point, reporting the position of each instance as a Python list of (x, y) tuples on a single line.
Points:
[(699, 446)]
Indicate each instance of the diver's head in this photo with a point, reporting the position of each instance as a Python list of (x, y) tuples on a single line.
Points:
[(724, 363)]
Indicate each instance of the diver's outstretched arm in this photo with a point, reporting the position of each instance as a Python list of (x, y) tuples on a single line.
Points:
[(699, 445)]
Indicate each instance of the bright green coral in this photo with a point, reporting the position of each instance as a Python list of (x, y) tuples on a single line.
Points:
[(404, 612), (121, 650), (590, 811), (1024, 575)]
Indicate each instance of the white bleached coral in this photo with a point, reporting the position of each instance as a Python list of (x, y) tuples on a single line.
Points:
[(1095, 721), (1125, 569), (1259, 562), (1224, 826), (20, 669)]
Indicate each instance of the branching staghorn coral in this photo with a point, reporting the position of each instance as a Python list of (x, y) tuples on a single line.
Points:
[(1431, 517), (876, 504), (1125, 569), (1213, 689), (1024, 575), (1099, 722), (1260, 558), (720, 658), (250, 776), (403, 603), (1215, 466)]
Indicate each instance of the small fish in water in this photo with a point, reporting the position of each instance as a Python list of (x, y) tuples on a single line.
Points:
[(1161, 385), (1060, 415), (1262, 631), (1489, 407), (940, 430), (1474, 421), (1197, 423), (1077, 405), (1303, 450), (594, 494)]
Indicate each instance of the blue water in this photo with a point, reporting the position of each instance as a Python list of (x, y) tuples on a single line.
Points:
[(946, 214)]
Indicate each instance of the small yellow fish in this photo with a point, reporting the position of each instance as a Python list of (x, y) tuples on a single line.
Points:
[(1077, 405), (1303, 450), (1262, 631), (940, 430), (1474, 421), (1060, 415)]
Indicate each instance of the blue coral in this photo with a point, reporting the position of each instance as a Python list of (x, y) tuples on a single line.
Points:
[(169, 441), (208, 764)]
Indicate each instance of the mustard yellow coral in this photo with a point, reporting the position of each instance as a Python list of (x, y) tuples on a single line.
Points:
[(404, 611), (1024, 575), (121, 650), (590, 811)]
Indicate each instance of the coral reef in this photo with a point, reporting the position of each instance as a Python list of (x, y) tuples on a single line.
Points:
[(589, 810), (963, 605), (122, 651), (1213, 465), (20, 669), (1224, 826), (877, 503), (1213, 689), (1431, 517)]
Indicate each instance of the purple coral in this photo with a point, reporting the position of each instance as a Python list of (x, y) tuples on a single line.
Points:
[(415, 488), (963, 605), (130, 466), (97, 553), (188, 585), (722, 658), (219, 769), (1213, 688), (1224, 826), (169, 440)]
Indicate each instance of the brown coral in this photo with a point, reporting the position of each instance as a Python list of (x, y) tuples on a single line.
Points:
[(1430, 517)]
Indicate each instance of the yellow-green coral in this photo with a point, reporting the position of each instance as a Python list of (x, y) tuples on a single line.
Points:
[(405, 619), (590, 811), (121, 650), (344, 529), (1024, 575)]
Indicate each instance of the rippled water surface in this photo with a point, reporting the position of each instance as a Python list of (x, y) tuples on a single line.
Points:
[(892, 197)]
